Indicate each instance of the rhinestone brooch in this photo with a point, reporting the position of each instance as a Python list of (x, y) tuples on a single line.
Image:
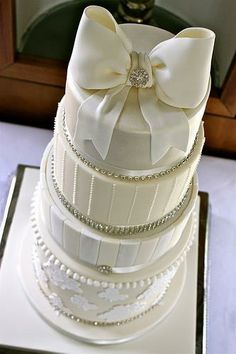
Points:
[(139, 78), (105, 269)]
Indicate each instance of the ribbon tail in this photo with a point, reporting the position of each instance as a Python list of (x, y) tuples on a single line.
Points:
[(98, 115), (169, 126)]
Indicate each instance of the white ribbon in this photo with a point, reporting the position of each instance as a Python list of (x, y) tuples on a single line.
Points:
[(178, 78)]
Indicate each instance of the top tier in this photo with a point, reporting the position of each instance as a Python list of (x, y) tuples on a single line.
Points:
[(135, 95)]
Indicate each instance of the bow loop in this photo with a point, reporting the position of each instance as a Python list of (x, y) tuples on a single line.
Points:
[(140, 74), (175, 75), (181, 67), (101, 55)]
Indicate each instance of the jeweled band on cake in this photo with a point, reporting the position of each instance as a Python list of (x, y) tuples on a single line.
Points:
[(114, 212)]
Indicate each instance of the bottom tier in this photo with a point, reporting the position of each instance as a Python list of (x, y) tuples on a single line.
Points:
[(85, 295)]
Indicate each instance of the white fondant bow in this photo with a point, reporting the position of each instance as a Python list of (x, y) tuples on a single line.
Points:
[(178, 72)]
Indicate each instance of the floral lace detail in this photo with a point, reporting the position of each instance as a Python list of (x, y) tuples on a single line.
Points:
[(122, 312), (59, 278), (153, 294), (55, 301), (40, 274), (83, 303), (157, 288), (112, 295)]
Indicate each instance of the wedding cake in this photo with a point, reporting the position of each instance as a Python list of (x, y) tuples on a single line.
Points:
[(114, 212)]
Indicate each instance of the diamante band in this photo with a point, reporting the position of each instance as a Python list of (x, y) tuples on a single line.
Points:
[(115, 229), (122, 176)]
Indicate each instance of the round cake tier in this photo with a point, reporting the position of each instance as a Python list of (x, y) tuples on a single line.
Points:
[(131, 139), (110, 199), (84, 294), (118, 252)]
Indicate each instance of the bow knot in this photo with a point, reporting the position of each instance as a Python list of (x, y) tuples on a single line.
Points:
[(140, 74), (172, 81)]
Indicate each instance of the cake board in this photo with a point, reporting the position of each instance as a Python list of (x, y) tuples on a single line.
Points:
[(21, 326)]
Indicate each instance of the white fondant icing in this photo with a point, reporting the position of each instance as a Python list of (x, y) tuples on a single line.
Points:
[(103, 62), (122, 312), (112, 295), (95, 248), (83, 303), (159, 284), (114, 201), (99, 308), (128, 138), (92, 283), (60, 279)]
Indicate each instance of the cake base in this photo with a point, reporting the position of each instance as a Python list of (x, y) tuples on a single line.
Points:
[(22, 327)]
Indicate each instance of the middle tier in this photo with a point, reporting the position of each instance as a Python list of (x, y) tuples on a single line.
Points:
[(116, 200), (120, 252)]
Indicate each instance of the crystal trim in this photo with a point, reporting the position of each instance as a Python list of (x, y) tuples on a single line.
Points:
[(105, 269), (138, 77), (114, 229), (121, 176)]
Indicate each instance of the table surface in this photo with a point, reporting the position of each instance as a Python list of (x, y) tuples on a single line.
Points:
[(217, 176)]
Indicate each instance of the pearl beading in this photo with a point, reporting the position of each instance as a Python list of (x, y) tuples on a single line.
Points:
[(77, 319), (93, 282), (115, 229), (122, 176)]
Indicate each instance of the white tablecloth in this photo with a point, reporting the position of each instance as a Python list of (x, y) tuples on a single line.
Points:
[(25, 145)]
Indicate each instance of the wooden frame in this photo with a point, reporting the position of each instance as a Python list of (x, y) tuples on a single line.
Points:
[(31, 87)]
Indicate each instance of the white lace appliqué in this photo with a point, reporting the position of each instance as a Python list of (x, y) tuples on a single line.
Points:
[(55, 301), (40, 274), (157, 288), (59, 278), (151, 296), (112, 295), (83, 303), (122, 312)]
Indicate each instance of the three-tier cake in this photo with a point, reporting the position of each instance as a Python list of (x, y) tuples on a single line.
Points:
[(113, 214)]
